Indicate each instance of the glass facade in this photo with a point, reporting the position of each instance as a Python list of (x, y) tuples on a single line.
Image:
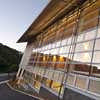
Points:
[(68, 53)]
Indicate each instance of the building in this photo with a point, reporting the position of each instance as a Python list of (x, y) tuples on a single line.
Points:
[(62, 57)]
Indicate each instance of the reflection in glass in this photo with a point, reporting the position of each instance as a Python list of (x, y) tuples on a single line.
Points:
[(83, 57), (96, 58), (56, 86), (90, 34), (80, 37), (97, 44), (94, 86), (85, 46), (98, 35), (81, 82)]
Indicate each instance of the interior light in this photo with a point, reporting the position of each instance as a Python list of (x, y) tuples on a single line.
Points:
[(44, 59), (86, 46), (61, 58), (54, 58), (86, 56)]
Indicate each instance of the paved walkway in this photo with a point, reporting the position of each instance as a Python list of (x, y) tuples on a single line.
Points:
[(5, 76), (7, 94)]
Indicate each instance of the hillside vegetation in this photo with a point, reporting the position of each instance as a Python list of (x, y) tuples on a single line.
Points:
[(9, 59)]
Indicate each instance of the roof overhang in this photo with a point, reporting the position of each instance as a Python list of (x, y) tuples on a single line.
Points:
[(52, 12)]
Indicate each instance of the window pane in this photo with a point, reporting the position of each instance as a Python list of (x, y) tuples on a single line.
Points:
[(61, 62), (98, 33), (81, 82), (97, 44), (53, 51), (58, 44), (96, 70), (42, 71), (61, 74), (70, 56), (37, 85), (49, 46), (70, 79), (36, 70), (96, 58), (46, 52), (64, 42), (53, 45), (83, 57), (46, 73), (94, 86), (56, 75), (69, 40), (86, 46), (46, 47), (63, 50), (47, 82), (96, 64), (56, 86), (80, 38), (50, 73), (90, 34)]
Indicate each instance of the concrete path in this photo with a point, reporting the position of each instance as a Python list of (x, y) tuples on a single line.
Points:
[(5, 76), (7, 94)]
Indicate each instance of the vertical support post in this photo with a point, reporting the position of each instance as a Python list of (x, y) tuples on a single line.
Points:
[(71, 50), (24, 60)]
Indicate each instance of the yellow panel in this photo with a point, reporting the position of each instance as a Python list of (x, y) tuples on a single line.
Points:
[(56, 86)]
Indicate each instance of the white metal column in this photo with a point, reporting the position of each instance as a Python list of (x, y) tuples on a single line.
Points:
[(24, 60)]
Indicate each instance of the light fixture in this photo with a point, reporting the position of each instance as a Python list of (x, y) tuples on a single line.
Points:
[(86, 57), (54, 58), (44, 59), (61, 58), (86, 46)]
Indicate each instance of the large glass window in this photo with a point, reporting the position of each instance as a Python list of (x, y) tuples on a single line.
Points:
[(64, 53)]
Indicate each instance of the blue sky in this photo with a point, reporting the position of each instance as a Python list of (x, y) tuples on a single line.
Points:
[(15, 17)]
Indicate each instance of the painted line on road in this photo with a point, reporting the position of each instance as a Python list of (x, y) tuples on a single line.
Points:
[(2, 82), (23, 92)]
